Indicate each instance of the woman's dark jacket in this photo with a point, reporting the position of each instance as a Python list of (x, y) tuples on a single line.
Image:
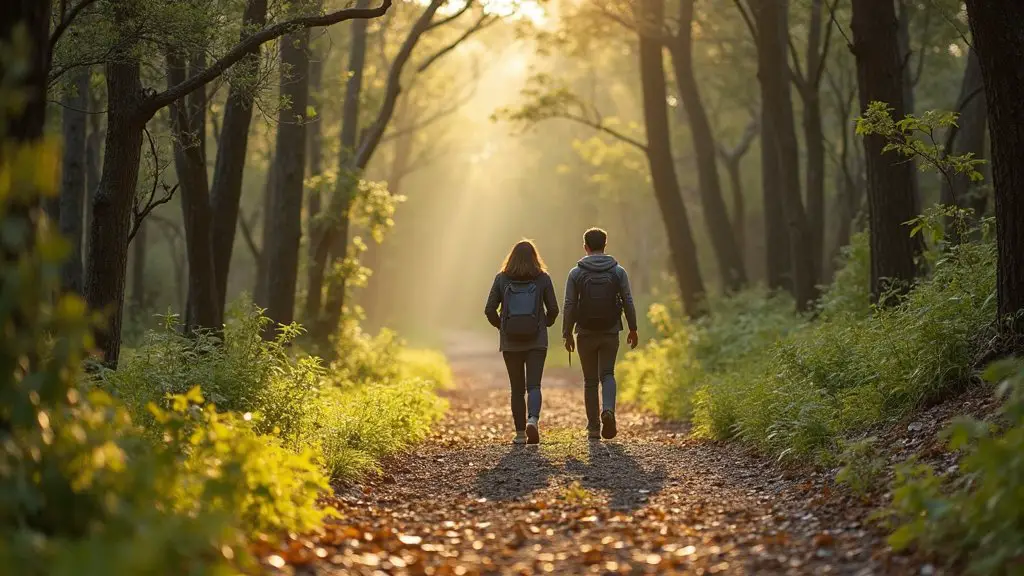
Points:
[(548, 299)]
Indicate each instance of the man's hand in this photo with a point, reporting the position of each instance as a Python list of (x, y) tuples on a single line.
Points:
[(632, 339), (570, 344)]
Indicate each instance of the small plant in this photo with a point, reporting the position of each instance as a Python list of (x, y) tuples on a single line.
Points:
[(862, 466), (976, 520)]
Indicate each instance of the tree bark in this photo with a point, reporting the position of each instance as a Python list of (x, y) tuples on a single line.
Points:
[(733, 159), (226, 191), (107, 254), (73, 177), (778, 259), (969, 138), (315, 161), (260, 290), (774, 75), (999, 41), (891, 198), (814, 137), (284, 221), (730, 259), (659, 156), (93, 156), (319, 312), (188, 127)]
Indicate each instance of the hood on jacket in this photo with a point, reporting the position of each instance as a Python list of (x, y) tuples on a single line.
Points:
[(597, 262)]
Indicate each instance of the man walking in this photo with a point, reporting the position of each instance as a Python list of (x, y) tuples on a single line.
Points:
[(596, 295)]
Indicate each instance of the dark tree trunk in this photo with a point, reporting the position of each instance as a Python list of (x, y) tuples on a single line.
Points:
[(969, 138), (139, 245), (93, 155), (906, 52), (315, 160), (659, 156), (107, 254), (322, 312), (774, 75), (188, 128), (260, 290), (999, 41), (730, 260), (27, 123), (814, 137), (226, 192), (733, 159), (284, 221), (73, 177), (891, 198), (778, 259)]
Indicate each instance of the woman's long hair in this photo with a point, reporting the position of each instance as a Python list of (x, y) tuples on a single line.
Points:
[(523, 261)]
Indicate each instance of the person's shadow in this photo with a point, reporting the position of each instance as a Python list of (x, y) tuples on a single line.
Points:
[(611, 469), (521, 471)]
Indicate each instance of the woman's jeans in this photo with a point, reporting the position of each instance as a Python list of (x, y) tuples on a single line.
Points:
[(524, 373)]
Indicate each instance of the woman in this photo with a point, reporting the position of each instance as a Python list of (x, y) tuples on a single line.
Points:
[(519, 292)]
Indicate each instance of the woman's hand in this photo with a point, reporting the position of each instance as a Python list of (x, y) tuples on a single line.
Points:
[(570, 344), (632, 339)]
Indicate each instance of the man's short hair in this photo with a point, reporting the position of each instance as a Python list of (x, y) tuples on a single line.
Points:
[(595, 239)]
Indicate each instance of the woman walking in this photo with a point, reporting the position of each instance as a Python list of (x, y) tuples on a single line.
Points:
[(522, 305)]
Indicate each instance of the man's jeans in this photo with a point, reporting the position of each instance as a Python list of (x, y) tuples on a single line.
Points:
[(525, 370), (597, 355)]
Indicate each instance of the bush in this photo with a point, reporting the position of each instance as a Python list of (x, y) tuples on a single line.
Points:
[(977, 520), (795, 387)]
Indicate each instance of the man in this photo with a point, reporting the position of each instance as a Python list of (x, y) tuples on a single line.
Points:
[(596, 294)]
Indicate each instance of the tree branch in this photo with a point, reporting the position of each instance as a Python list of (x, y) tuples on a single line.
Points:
[(484, 21), (248, 236), (825, 45), (67, 19), (601, 127), (465, 8), (243, 48), (746, 18)]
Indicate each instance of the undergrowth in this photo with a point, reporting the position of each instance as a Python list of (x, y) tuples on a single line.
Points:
[(795, 387)]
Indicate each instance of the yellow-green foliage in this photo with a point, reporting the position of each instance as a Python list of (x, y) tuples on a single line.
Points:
[(426, 365), (795, 387), (976, 522)]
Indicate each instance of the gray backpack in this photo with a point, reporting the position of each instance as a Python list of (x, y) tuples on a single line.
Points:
[(520, 307)]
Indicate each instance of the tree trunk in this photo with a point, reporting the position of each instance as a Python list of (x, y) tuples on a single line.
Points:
[(73, 177), (814, 137), (323, 314), (774, 75), (891, 198), (969, 138), (226, 192), (260, 290), (315, 160), (93, 156), (999, 41), (730, 259), (27, 124), (733, 160), (284, 221), (778, 259), (659, 156), (106, 261), (188, 128), (905, 53)]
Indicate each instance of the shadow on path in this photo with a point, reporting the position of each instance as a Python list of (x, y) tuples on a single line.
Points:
[(521, 471), (611, 469)]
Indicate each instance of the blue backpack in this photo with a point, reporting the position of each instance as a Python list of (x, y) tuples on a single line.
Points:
[(520, 307)]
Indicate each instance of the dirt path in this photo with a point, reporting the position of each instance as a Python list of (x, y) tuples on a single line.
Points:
[(650, 501)]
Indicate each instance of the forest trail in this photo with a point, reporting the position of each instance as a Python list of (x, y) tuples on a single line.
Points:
[(650, 501)]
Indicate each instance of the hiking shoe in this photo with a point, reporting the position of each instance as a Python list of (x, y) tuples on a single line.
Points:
[(608, 430), (532, 432), (594, 433), (520, 438)]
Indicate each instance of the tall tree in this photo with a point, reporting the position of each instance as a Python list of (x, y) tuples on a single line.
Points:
[(349, 133), (131, 107), (808, 84), (33, 17), (999, 41), (733, 158), (891, 198), (730, 259), (651, 16), (73, 176), (772, 31), (284, 220), (226, 190)]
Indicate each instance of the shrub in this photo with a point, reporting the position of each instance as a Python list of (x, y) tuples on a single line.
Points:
[(976, 520)]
